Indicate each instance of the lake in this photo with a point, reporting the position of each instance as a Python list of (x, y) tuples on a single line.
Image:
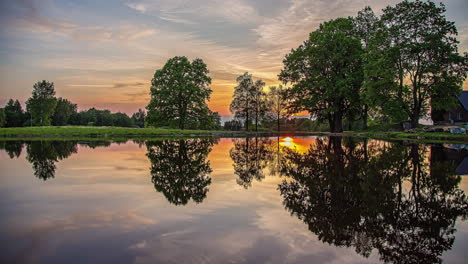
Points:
[(233, 200)]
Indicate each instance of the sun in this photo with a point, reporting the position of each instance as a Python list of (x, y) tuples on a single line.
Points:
[(287, 139)]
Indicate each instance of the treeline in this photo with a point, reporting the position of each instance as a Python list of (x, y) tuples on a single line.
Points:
[(395, 68), (44, 109)]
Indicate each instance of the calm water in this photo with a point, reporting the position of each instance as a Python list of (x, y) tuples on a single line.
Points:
[(256, 200)]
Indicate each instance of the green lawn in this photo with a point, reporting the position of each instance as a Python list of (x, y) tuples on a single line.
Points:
[(417, 135), (125, 132), (80, 131)]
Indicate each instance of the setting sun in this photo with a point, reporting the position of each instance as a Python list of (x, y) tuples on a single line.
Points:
[(288, 139)]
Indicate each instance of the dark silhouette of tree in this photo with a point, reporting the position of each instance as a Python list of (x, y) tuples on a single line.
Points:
[(250, 156), (138, 118), (13, 148), (179, 168), (44, 154), (63, 111), (278, 103), (351, 194), (14, 114)]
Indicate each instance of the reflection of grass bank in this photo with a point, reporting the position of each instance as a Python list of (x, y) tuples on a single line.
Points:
[(116, 133), (439, 136)]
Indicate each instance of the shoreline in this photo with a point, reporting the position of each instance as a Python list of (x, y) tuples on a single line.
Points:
[(104, 133)]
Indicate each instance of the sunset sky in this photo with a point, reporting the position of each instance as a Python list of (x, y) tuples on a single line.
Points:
[(103, 53)]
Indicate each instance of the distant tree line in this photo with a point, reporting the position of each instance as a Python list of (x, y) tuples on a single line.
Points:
[(44, 109)]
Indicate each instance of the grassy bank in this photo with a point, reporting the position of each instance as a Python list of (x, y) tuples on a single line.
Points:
[(74, 132), (83, 131), (412, 136)]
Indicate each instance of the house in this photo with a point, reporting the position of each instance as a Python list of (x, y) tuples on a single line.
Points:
[(456, 116)]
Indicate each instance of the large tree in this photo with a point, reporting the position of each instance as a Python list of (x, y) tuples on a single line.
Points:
[(41, 104), (326, 73), (414, 59), (179, 93), (278, 103)]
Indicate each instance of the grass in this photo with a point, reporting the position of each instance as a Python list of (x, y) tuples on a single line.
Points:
[(83, 131), (415, 135)]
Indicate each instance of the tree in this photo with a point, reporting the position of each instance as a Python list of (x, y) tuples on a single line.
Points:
[(121, 120), (2, 117), (260, 104), (139, 118), (235, 125), (179, 93), (14, 114), (365, 27), (243, 101), (41, 104), (326, 73), (416, 56), (63, 111), (278, 103)]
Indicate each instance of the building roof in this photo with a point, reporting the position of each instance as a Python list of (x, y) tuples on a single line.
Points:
[(463, 98), (462, 169)]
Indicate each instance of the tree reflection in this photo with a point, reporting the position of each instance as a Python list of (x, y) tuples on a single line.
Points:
[(352, 194), (179, 168), (12, 148), (44, 154), (250, 157)]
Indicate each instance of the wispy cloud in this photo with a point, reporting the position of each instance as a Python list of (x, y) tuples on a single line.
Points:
[(92, 52)]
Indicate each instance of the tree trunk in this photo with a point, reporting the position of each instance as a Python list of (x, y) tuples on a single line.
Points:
[(364, 117), (247, 121), (278, 123), (415, 118), (336, 123), (256, 121)]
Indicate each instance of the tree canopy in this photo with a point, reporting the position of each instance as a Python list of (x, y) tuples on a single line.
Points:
[(179, 94), (414, 61), (326, 73), (41, 104)]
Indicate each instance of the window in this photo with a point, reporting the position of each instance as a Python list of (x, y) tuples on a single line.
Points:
[(459, 116)]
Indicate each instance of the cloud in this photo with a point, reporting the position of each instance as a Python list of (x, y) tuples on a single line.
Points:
[(124, 85), (140, 7), (186, 12)]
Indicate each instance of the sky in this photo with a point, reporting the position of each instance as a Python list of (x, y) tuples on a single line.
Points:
[(103, 53)]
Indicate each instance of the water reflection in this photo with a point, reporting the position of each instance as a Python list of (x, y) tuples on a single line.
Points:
[(398, 200), (353, 194), (180, 169), (250, 156)]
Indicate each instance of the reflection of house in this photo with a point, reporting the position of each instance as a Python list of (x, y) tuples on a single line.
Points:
[(462, 169), (454, 155), (457, 115)]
